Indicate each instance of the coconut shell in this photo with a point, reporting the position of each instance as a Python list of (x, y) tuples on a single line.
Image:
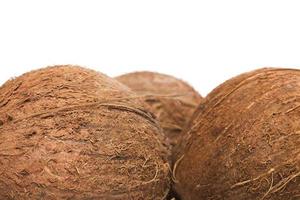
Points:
[(245, 140), (71, 133), (171, 100)]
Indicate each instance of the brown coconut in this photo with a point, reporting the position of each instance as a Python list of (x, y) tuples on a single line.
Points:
[(245, 141), (71, 133), (171, 100)]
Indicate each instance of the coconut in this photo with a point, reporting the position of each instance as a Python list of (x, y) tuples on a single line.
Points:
[(71, 133), (245, 140), (171, 100)]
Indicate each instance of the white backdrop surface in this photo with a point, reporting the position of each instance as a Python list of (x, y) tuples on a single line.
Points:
[(202, 42)]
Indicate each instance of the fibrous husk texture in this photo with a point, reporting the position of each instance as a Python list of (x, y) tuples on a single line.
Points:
[(245, 140), (171, 100), (71, 133)]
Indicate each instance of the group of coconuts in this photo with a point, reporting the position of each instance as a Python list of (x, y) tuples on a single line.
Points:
[(67, 132)]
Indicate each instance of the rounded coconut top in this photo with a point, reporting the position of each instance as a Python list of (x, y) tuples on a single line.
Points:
[(244, 140), (159, 84), (67, 132), (171, 100), (58, 86)]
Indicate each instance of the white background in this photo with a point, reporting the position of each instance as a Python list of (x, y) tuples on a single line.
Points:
[(202, 42)]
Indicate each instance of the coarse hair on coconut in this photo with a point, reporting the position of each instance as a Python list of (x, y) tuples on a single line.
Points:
[(67, 132), (171, 100), (244, 142)]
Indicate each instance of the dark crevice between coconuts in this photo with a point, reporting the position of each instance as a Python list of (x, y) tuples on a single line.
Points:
[(171, 101)]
